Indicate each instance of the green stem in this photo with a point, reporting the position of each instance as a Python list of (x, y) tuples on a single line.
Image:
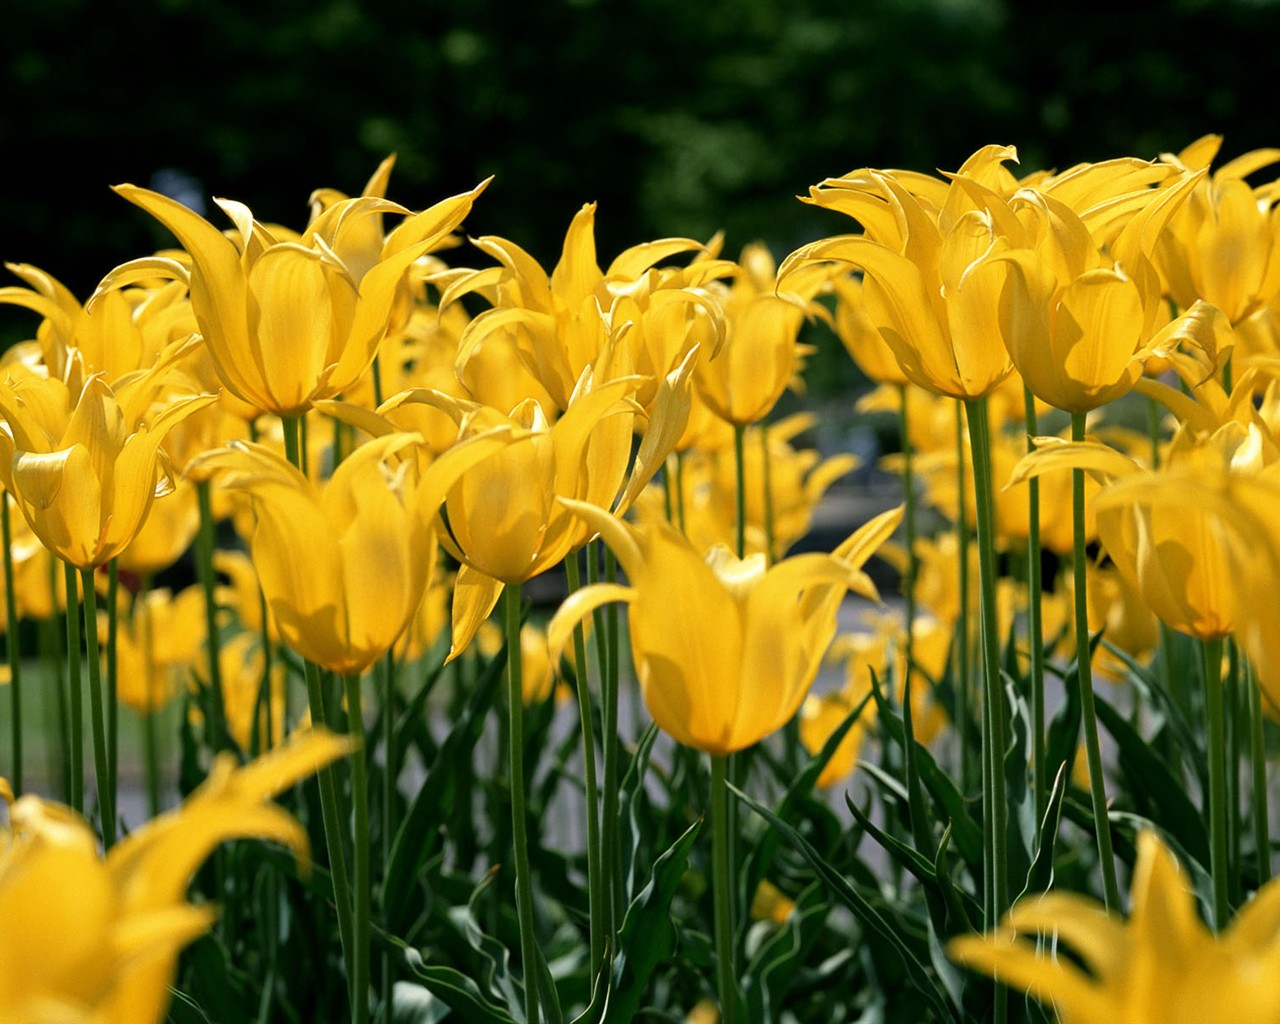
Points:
[(333, 837), (359, 854), (909, 534), (596, 894), (995, 810), (519, 824), (1084, 682), (11, 646), (151, 757), (1233, 723), (208, 583), (767, 474), (961, 660), (1211, 662), (390, 776), (57, 716), (113, 687), (740, 503), (98, 718), (1035, 624), (75, 767), (1258, 763), (722, 884)]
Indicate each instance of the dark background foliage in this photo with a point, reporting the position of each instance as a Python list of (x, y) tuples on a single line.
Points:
[(679, 118)]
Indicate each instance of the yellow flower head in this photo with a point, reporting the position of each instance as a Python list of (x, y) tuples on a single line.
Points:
[(82, 461), (93, 940), (292, 320), (1162, 964), (725, 649), (344, 565)]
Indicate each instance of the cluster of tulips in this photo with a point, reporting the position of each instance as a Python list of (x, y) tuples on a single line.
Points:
[(364, 448)]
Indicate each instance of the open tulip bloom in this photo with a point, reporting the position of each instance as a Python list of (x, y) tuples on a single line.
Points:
[(290, 321), (725, 649)]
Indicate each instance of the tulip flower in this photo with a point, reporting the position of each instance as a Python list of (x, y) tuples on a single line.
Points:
[(82, 463), (292, 321), (725, 649), (820, 716), (744, 380), (93, 939), (343, 566), (1221, 245), (553, 322), (1080, 322), (931, 284), (117, 332), (158, 646), (1162, 964)]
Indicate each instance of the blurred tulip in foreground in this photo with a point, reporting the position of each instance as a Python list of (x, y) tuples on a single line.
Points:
[(87, 939)]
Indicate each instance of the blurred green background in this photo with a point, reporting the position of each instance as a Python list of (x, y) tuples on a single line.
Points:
[(678, 117)]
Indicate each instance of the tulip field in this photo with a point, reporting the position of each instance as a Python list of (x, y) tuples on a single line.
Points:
[(400, 631)]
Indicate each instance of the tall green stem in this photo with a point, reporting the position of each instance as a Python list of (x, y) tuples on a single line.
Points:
[(151, 765), (113, 688), (208, 583), (390, 825), (740, 505), (961, 660), (1211, 661), (995, 809), (596, 894), (11, 646), (519, 824), (1035, 623), (766, 472), (101, 764), (333, 839), (909, 535), (1084, 682), (75, 781), (1258, 764), (722, 885), (359, 854)]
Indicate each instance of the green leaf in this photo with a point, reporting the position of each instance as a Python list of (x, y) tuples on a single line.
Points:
[(648, 936), (775, 969), (888, 932), (416, 1004), (457, 991), (1151, 779), (418, 835)]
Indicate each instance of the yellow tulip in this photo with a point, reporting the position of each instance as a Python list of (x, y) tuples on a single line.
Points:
[(82, 463), (240, 667), (165, 534), (820, 716), (1167, 544), (557, 324), (157, 646), (87, 939), (1079, 321), (118, 332), (343, 565), (725, 649), (1221, 245), (743, 381), (931, 283), (856, 330), (798, 479), (289, 321), (1162, 964)]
